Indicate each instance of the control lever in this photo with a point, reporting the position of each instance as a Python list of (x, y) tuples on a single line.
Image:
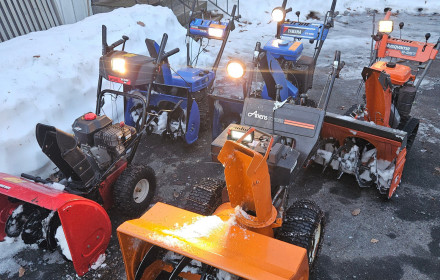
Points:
[(401, 24), (279, 104), (427, 36)]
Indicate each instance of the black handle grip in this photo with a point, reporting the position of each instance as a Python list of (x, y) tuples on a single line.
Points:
[(333, 6), (289, 10), (37, 179), (117, 43), (170, 53), (284, 4), (163, 43), (233, 11), (338, 57)]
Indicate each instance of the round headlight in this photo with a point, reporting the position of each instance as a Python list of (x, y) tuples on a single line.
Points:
[(278, 14), (235, 69)]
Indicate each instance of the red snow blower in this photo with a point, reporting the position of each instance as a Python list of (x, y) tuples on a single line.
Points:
[(95, 168)]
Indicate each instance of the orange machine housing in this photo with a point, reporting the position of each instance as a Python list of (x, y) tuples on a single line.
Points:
[(399, 74), (242, 245)]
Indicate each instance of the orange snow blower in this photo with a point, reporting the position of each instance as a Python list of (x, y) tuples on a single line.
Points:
[(373, 139), (242, 237)]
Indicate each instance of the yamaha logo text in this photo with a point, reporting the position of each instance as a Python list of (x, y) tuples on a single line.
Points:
[(294, 31)]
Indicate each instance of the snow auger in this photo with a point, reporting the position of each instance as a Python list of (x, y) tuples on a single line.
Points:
[(373, 139), (280, 62), (251, 233), (186, 90), (246, 236), (95, 168)]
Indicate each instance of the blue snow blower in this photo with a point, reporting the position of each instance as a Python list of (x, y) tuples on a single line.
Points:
[(184, 93), (281, 64)]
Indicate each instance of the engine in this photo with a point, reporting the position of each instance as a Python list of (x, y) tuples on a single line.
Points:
[(100, 140)]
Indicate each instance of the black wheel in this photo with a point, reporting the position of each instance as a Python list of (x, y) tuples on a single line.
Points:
[(205, 197), (134, 190), (303, 225), (411, 127), (201, 98)]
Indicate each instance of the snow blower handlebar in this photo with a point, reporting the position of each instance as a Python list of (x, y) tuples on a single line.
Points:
[(436, 48), (105, 47), (337, 66)]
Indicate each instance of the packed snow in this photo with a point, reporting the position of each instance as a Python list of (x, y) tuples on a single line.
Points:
[(99, 262), (200, 227), (61, 239), (9, 265)]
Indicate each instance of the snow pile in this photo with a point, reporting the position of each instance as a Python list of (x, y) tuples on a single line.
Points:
[(52, 76), (252, 12), (99, 262), (61, 238), (9, 248), (56, 186), (200, 227)]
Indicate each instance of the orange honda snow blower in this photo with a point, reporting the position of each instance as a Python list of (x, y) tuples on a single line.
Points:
[(373, 139), (244, 236)]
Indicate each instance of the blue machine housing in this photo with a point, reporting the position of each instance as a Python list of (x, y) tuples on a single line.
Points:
[(160, 101), (277, 73), (304, 30), (195, 79), (289, 50)]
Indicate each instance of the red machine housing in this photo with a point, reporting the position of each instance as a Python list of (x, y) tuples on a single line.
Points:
[(85, 223)]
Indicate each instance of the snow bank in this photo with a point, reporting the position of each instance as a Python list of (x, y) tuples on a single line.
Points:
[(252, 12), (51, 76)]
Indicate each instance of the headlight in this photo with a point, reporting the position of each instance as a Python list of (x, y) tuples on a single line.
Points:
[(118, 65), (278, 14), (235, 69), (214, 32), (385, 26), (237, 134)]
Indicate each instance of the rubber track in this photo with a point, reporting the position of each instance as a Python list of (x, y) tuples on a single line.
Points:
[(202, 102), (205, 197), (299, 224)]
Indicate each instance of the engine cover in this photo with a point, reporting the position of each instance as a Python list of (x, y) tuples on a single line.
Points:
[(114, 138), (84, 129)]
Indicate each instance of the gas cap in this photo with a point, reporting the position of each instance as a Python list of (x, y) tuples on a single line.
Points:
[(90, 116), (391, 64)]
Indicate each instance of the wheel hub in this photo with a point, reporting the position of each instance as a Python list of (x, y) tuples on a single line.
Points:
[(141, 191)]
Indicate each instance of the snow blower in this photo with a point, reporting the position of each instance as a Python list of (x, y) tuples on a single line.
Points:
[(252, 234), (281, 62), (373, 139), (186, 91), (245, 238), (95, 168)]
